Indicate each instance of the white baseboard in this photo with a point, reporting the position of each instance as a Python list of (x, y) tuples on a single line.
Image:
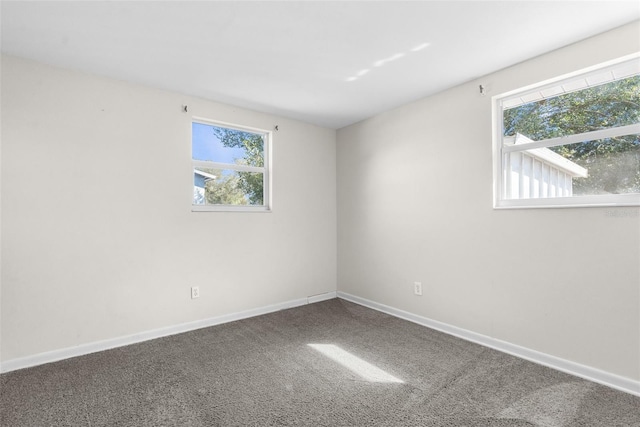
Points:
[(596, 375), (321, 297), (80, 350)]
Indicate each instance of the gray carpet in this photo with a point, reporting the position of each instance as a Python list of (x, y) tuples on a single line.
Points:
[(262, 372)]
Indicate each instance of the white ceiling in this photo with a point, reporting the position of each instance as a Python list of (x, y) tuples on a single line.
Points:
[(330, 63)]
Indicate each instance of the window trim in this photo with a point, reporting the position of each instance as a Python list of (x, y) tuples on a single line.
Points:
[(500, 148), (266, 170)]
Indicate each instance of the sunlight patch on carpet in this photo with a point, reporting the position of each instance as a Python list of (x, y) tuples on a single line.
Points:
[(364, 369), (553, 406)]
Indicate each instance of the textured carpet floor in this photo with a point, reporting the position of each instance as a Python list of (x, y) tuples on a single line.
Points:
[(262, 372)]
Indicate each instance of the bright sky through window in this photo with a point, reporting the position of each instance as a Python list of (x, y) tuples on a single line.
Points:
[(364, 369), (207, 146)]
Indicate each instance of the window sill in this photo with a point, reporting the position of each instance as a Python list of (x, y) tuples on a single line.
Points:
[(613, 200), (225, 208)]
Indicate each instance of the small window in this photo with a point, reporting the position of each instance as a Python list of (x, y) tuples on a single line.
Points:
[(574, 141), (230, 167)]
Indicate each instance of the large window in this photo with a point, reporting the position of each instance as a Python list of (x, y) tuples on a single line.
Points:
[(574, 141), (230, 167)]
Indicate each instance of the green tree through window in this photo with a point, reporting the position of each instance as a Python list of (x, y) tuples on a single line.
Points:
[(613, 163), (249, 183)]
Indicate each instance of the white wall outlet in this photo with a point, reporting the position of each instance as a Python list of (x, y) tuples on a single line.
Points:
[(195, 292), (417, 288)]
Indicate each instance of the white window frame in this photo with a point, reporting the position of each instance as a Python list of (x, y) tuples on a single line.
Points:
[(572, 82), (266, 170)]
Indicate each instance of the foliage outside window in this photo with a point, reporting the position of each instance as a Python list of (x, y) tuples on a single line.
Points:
[(571, 142), (230, 167)]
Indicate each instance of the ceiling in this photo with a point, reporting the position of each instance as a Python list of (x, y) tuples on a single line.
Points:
[(330, 63)]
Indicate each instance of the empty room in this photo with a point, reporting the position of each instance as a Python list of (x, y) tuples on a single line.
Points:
[(320, 213)]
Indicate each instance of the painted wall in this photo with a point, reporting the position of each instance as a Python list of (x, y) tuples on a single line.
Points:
[(565, 282), (98, 239)]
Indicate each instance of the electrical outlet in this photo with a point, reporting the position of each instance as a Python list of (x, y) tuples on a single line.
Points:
[(195, 292), (417, 288)]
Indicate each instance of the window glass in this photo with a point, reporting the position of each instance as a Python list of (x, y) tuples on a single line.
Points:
[(572, 142), (600, 107), (224, 145), (229, 167), (227, 187)]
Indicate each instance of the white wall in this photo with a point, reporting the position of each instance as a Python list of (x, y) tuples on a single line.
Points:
[(98, 239), (415, 204)]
